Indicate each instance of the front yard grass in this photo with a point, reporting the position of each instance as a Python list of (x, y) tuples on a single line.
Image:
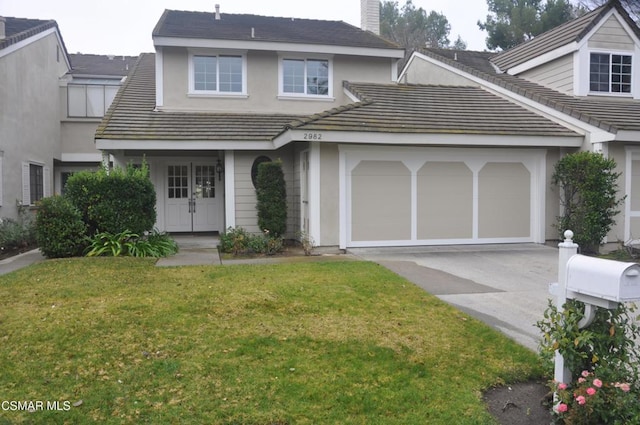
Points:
[(306, 343)]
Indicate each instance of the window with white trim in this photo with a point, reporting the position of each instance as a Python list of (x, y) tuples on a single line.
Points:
[(90, 100), (305, 77), (217, 74), (610, 73), (35, 179)]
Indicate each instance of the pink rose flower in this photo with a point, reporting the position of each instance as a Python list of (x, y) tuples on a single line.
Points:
[(562, 386), (585, 373), (597, 383), (581, 380), (562, 408), (591, 391), (625, 387), (581, 400)]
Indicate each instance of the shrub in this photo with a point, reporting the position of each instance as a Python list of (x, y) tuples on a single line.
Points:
[(271, 193), (235, 240), (122, 199), (588, 188), (17, 234), (60, 231)]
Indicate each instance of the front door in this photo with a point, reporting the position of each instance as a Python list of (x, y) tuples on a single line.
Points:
[(192, 197)]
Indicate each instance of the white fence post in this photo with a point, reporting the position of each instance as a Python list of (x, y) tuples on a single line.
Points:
[(566, 250)]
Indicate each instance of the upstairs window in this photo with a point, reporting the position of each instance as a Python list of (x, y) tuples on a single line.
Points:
[(217, 74), (610, 73), (306, 77), (90, 100)]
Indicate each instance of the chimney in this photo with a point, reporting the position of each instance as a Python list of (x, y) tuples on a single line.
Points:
[(3, 33), (217, 12), (370, 16)]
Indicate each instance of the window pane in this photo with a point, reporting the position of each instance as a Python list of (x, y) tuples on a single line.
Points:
[(621, 73), (204, 73), (293, 76), (230, 74), (95, 101), (36, 182), (599, 75), (77, 101), (318, 77)]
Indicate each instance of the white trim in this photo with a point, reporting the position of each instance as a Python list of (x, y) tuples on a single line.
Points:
[(414, 158), (180, 145), (314, 192), (216, 93), (304, 96), (544, 58), (81, 157), (428, 139), (229, 189), (159, 77), (630, 152), (394, 70), (277, 46)]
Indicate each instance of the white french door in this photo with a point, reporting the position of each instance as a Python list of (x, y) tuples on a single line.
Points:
[(193, 197)]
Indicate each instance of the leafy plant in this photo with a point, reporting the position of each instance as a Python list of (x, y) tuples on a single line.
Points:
[(128, 243), (606, 349), (307, 242), (271, 193), (588, 190), (60, 231), (106, 243)]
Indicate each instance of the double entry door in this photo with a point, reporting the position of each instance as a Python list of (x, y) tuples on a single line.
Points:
[(193, 197)]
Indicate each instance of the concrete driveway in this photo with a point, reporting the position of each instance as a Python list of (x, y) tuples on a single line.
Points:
[(505, 286)]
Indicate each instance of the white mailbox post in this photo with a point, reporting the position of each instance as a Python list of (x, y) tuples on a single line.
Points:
[(594, 281)]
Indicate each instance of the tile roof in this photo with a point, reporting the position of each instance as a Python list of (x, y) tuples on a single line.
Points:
[(203, 25), (562, 35), (18, 29), (101, 65), (132, 116), (609, 114), (407, 108)]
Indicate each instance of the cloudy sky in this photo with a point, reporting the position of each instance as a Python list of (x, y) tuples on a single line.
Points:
[(123, 27)]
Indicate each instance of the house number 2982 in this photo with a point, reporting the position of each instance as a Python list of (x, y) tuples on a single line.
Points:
[(312, 136)]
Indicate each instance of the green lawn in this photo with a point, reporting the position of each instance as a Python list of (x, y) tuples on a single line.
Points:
[(307, 343)]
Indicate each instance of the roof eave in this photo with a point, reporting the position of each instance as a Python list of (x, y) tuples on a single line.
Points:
[(277, 46)]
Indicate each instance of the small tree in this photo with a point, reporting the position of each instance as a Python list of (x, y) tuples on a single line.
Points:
[(588, 189), (272, 198)]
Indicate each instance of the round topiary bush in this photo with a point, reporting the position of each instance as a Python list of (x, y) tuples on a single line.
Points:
[(60, 231)]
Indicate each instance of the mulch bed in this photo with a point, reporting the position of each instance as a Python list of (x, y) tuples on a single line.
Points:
[(525, 403)]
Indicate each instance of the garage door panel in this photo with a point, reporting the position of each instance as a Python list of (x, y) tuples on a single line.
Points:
[(381, 201), (445, 201), (504, 200)]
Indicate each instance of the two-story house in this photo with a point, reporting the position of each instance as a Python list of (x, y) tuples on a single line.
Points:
[(583, 75), (205, 109), (368, 161)]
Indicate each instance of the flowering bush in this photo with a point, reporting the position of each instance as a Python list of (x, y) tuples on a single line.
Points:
[(589, 400)]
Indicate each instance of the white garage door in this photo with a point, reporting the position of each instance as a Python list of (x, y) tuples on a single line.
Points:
[(434, 196)]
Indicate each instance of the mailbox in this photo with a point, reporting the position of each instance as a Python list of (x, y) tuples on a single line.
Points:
[(605, 279)]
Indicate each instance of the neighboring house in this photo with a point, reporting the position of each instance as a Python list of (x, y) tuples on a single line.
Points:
[(583, 75), (33, 58), (50, 106), (86, 92)]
